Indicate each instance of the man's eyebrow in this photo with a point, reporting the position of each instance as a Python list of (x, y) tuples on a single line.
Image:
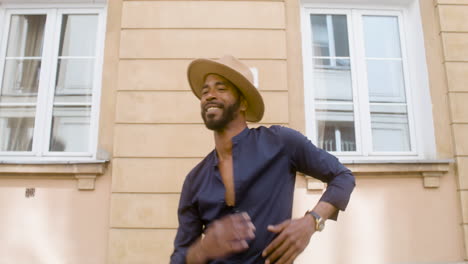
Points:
[(216, 83)]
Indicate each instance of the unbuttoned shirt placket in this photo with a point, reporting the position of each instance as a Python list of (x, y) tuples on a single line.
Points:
[(235, 146)]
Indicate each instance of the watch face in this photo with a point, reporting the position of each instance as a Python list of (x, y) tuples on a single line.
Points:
[(321, 226)]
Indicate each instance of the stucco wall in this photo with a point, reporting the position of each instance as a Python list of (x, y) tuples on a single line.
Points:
[(158, 135), (59, 224), (454, 32)]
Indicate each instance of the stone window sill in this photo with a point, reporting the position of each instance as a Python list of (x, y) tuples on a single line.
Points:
[(85, 172), (429, 170)]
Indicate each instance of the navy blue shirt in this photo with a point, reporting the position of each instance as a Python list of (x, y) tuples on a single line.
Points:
[(265, 162)]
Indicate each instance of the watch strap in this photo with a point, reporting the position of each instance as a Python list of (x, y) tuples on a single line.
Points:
[(319, 221)]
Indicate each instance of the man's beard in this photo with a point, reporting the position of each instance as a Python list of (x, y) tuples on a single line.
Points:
[(229, 114)]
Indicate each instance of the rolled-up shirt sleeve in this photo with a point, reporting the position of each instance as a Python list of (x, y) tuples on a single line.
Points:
[(190, 226), (307, 158)]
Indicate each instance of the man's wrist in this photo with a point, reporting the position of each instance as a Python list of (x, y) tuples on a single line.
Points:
[(196, 253), (319, 222), (311, 221)]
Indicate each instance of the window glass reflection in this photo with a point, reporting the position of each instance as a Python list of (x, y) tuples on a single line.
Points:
[(390, 129), (335, 127), (70, 129), (26, 36), (20, 79), (332, 83), (78, 37), (382, 36), (16, 128)]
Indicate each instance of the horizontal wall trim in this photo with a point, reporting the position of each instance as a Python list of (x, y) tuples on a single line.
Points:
[(458, 31), (437, 4), (84, 172), (181, 90), (464, 61), (143, 228), (152, 106), (189, 123), (453, 32), (143, 193), (157, 158), (194, 58), (210, 43), (410, 162), (204, 0), (204, 28)]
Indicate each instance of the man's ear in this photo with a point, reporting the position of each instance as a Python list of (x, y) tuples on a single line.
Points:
[(243, 104)]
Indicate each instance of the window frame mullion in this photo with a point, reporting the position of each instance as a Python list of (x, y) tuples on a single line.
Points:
[(55, 38), (355, 86), (410, 102), (97, 84), (309, 100), (363, 90), (41, 113)]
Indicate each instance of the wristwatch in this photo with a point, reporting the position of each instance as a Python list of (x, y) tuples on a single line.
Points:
[(319, 221)]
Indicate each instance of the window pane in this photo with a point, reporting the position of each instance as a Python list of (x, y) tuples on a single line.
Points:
[(386, 83), (75, 79), (320, 39), (333, 83), (16, 128), (335, 125), (329, 35), (78, 36), (340, 34), (382, 36), (26, 36), (70, 129), (20, 80), (385, 80), (390, 130), (74, 84)]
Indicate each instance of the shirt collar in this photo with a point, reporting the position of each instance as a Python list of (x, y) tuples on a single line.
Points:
[(240, 136), (235, 139)]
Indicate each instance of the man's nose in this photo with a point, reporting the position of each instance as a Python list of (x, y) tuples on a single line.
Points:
[(210, 95)]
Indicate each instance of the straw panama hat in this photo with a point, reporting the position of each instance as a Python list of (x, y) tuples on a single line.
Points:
[(237, 73)]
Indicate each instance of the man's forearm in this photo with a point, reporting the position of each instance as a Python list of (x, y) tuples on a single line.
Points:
[(325, 210), (195, 253)]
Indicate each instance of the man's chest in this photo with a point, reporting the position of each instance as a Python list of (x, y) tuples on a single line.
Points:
[(243, 185), (227, 176)]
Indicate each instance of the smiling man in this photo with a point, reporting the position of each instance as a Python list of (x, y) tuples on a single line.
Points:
[(236, 204)]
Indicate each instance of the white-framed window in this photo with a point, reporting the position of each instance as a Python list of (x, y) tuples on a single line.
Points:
[(50, 81), (362, 91)]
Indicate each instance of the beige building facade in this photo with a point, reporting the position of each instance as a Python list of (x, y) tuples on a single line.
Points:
[(116, 202)]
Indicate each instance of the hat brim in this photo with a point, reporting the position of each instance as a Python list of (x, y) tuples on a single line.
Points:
[(200, 68)]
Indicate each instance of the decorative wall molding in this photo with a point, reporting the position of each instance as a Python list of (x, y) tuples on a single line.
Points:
[(85, 172), (429, 170)]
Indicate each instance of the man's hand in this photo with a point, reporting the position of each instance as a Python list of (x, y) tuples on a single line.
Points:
[(294, 236), (223, 237)]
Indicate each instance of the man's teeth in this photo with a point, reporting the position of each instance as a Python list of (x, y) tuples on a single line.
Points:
[(211, 108)]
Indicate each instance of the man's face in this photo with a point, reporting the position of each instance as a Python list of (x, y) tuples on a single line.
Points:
[(220, 102)]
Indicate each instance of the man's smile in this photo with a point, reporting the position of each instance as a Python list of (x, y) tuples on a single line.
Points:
[(212, 107)]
